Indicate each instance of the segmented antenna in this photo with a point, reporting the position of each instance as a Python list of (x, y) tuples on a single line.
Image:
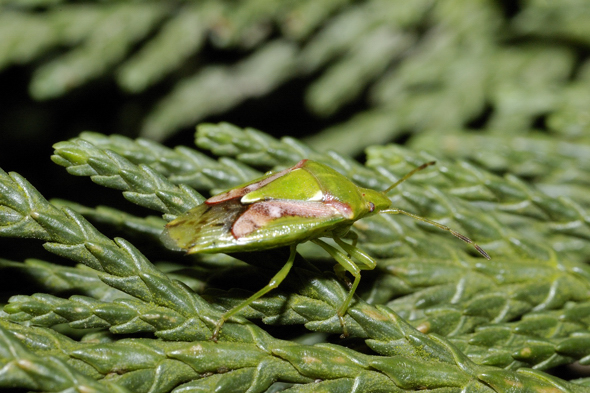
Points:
[(426, 220), (441, 226), (408, 175)]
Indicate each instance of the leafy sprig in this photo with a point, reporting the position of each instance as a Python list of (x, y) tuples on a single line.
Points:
[(140, 183), (25, 369), (182, 321), (156, 365)]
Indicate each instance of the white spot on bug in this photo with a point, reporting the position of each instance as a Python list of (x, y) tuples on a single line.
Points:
[(317, 197)]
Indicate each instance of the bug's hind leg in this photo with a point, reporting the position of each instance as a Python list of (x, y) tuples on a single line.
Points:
[(365, 263), (273, 283)]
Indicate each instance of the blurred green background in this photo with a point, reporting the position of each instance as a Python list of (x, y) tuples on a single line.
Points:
[(350, 73)]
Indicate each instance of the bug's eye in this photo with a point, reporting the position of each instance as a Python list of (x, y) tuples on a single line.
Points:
[(371, 207)]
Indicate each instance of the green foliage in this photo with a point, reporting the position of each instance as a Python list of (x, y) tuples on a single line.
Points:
[(450, 59), (433, 318)]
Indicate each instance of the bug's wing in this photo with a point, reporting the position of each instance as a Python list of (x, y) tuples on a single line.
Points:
[(203, 229), (249, 187), (296, 185)]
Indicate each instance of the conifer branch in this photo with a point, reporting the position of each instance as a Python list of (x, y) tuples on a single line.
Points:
[(500, 289), (100, 47), (346, 49), (257, 148), (216, 88), (542, 340), (381, 328), (535, 156), (22, 368), (181, 165), (59, 279), (121, 316), (140, 184), (209, 365), (435, 310), (118, 263), (150, 226)]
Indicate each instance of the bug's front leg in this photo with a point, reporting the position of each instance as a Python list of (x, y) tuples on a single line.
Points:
[(366, 263), (352, 235), (273, 283), (339, 269)]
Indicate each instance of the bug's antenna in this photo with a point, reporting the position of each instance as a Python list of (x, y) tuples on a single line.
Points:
[(408, 175), (438, 225)]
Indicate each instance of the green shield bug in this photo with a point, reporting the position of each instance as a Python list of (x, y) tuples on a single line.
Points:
[(303, 203)]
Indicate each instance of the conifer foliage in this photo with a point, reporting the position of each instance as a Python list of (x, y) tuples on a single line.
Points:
[(496, 92)]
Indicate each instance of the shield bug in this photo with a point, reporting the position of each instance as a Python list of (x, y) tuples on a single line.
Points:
[(303, 203)]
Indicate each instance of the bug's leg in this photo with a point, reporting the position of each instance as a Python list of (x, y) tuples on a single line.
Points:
[(352, 236), (338, 268), (341, 274), (366, 262), (273, 283), (441, 226)]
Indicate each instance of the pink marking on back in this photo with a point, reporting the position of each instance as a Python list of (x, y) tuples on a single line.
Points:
[(260, 213), (240, 192), (343, 208)]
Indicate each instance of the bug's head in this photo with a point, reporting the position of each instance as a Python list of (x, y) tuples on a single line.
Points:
[(375, 201)]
